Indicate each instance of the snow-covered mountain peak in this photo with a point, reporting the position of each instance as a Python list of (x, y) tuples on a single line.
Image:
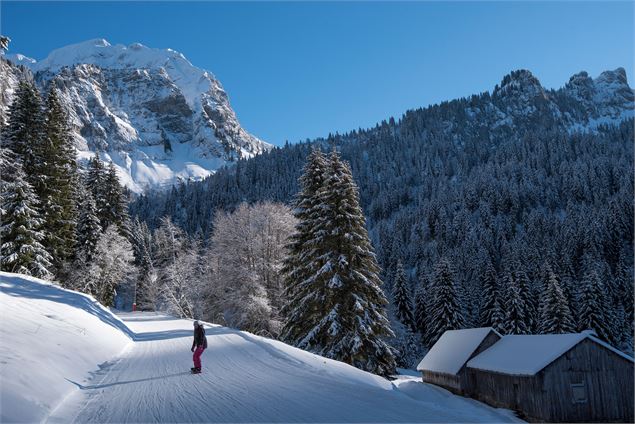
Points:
[(521, 82), (617, 76), (20, 59), (602, 100), (101, 53), (152, 112)]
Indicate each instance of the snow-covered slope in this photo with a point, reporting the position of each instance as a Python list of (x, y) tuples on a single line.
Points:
[(49, 336), (153, 113), (62, 361)]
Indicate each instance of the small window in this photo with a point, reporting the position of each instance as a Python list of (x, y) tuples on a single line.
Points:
[(579, 392)]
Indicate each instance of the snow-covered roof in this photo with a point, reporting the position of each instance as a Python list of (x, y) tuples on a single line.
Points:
[(528, 354), (453, 350)]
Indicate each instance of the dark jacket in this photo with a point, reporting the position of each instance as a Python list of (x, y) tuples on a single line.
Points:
[(199, 337)]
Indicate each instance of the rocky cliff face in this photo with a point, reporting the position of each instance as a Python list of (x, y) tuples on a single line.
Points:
[(521, 102), (150, 111)]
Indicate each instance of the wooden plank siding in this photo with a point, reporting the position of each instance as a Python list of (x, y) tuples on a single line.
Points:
[(607, 379), (548, 396), (447, 381)]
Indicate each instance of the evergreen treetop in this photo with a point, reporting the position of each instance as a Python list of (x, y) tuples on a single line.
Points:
[(555, 315), (402, 298)]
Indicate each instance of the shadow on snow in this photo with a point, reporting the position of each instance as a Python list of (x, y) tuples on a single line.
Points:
[(118, 383)]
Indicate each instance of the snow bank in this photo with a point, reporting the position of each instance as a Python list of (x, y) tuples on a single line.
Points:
[(49, 336), (528, 354), (453, 350)]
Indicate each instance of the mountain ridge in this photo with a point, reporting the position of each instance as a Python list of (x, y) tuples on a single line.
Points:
[(160, 119), (150, 111)]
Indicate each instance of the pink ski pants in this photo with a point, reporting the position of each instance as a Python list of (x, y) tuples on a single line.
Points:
[(197, 356)]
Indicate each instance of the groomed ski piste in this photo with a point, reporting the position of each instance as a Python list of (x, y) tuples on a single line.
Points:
[(66, 358)]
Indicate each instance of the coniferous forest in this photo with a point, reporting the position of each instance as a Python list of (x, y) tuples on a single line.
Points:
[(527, 227), (364, 247)]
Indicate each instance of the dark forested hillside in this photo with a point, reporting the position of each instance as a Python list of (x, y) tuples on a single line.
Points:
[(523, 180)]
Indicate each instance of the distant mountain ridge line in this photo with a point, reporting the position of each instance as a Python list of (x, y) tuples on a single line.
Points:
[(160, 119)]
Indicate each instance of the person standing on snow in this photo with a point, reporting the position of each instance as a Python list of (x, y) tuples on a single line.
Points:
[(198, 346)]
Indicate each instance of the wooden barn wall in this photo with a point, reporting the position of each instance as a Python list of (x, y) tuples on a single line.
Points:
[(548, 396), (448, 381), (608, 380), (508, 391)]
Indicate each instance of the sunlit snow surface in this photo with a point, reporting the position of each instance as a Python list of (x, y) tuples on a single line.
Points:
[(61, 337)]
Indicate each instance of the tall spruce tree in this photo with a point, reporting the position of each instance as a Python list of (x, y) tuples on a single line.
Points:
[(21, 250), (623, 284), (115, 210), (88, 227), (594, 308), (339, 312), (60, 192), (25, 134), (515, 308), (492, 310), (521, 280), (96, 183), (555, 315), (402, 298), (446, 311), (301, 265)]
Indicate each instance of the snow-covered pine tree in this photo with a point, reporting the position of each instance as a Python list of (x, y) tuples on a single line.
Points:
[(60, 191), (21, 249), (95, 181), (555, 315), (594, 308), (515, 308), (521, 280), (568, 283), (339, 312), (24, 134), (492, 307), (300, 263), (88, 227), (115, 203), (445, 309), (402, 298), (623, 285), (421, 300)]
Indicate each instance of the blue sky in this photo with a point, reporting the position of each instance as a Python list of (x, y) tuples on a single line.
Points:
[(297, 70)]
